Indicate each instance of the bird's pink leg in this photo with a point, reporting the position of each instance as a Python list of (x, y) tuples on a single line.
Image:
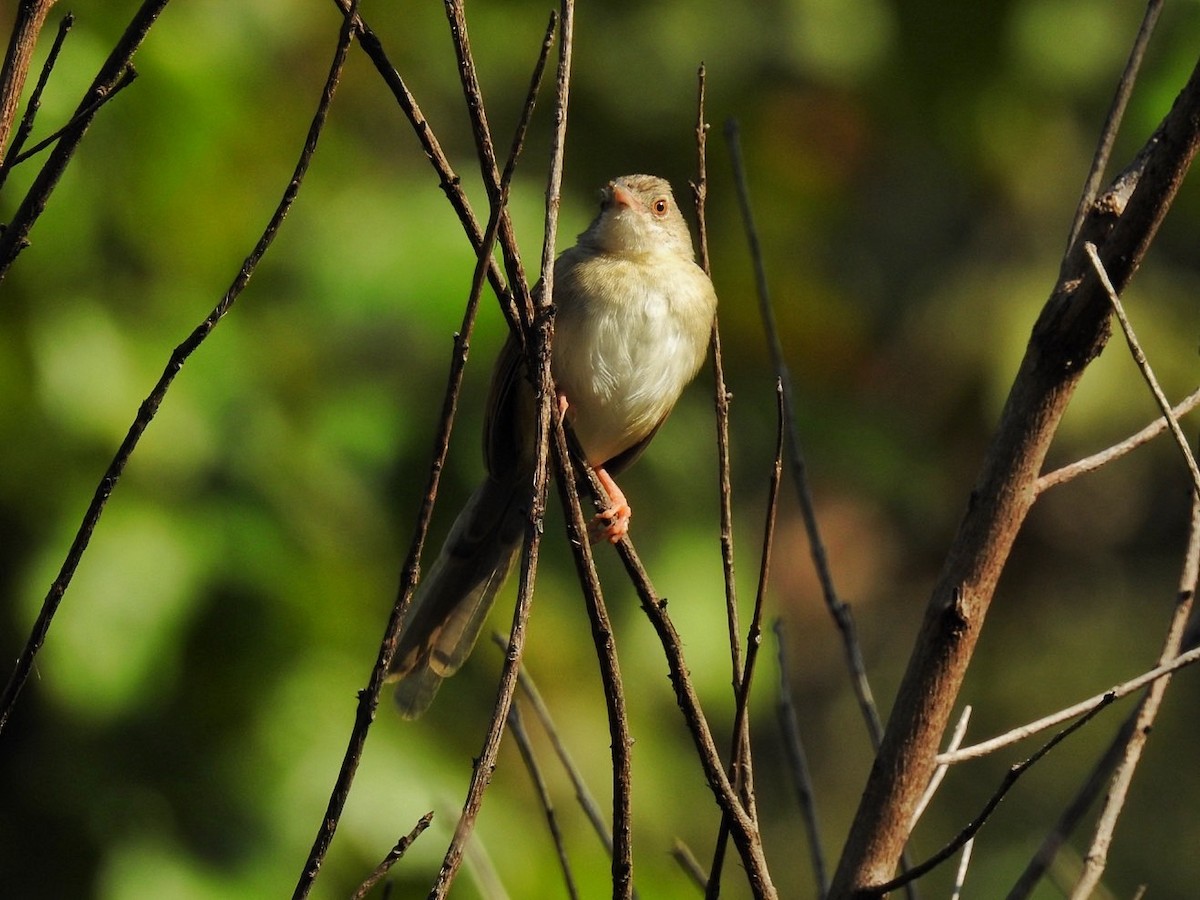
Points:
[(612, 523)]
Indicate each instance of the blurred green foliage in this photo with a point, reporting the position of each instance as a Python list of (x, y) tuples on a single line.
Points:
[(915, 167)]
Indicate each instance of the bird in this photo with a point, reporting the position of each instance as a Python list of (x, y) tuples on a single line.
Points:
[(634, 315)]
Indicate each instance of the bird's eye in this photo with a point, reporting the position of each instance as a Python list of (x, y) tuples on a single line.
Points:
[(660, 206)]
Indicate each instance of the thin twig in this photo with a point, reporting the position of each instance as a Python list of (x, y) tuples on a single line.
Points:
[(620, 738), (35, 98), (838, 608), (27, 26), (368, 698), (1112, 123), (15, 237), (721, 402), (128, 76), (584, 797), (683, 855), (742, 765), (150, 405), (960, 876), (529, 757), (743, 828), (393, 857), (1086, 707), (1143, 365), (939, 774), (448, 181), (544, 393), (1147, 712), (789, 726), (1096, 460)]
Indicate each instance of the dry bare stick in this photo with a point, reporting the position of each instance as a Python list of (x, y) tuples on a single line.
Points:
[(1071, 331), (721, 395), (960, 876), (741, 766), (683, 855), (368, 698), (393, 857), (1096, 460), (485, 151), (448, 181), (11, 156), (127, 78), (1147, 712), (529, 757), (15, 237), (27, 25), (789, 727), (540, 342), (1116, 112), (721, 401), (1084, 707), (621, 741), (838, 608), (150, 405), (743, 828), (1143, 365), (939, 774), (583, 796)]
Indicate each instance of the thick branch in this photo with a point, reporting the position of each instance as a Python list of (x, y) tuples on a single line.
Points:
[(1071, 331)]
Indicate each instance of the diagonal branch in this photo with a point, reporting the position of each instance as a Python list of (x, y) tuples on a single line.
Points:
[(150, 405), (1071, 331)]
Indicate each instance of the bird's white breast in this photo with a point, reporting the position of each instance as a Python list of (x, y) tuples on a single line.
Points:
[(630, 333)]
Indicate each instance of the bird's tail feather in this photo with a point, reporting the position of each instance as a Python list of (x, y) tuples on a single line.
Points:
[(454, 599)]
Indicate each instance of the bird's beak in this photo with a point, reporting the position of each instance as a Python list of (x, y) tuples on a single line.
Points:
[(622, 196)]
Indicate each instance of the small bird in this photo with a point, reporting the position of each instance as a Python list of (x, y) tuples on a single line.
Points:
[(634, 316)]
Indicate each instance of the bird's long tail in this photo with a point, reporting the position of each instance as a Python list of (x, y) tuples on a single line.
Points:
[(453, 600)]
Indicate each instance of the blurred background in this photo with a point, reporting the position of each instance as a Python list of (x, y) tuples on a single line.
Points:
[(914, 166)]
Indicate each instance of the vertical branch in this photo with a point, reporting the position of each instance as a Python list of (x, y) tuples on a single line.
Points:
[(838, 608), (741, 761), (539, 359)]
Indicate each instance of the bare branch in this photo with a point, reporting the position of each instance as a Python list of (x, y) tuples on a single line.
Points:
[(789, 726), (1096, 460), (1143, 365), (838, 608), (1116, 112), (393, 857), (968, 834), (10, 76), (540, 338), (27, 25), (368, 698), (525, 746), (1084, 707)]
